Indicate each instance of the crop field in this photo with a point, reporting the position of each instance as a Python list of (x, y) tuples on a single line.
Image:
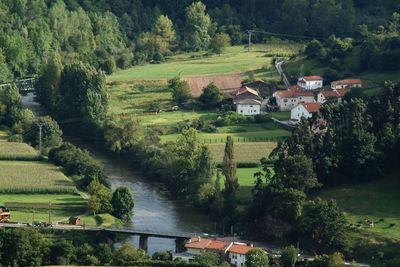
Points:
[(42, 198), (254, 133), (378, 201), (17, 151), (236, 59), (250, 152), (33, 177)]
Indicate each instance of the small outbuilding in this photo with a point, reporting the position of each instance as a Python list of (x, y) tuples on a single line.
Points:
[(5, 214), (310, 82), (346, 84), (74, 220)]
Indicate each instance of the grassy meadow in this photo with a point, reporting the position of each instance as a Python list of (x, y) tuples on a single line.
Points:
[(236, 59), (378, 201), (250, 152), (15, 151)]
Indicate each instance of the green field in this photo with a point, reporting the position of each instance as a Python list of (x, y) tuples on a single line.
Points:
[(15, 151), (373, 201), (246, 133), (42, 198), (281, 115), (33, 177), (236, 59), (250, 152)]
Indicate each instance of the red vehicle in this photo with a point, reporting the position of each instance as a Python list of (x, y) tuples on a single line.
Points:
[(5, 215)]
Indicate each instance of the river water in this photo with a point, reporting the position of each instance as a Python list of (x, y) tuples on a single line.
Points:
[(154, 210)]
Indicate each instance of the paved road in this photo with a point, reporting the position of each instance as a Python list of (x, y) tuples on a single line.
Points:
[(278, 66)]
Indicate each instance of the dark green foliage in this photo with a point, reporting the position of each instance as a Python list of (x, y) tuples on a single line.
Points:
[(83, 95), (180, 90), (162, 256), (46, 129), (322, 225), (76, 161), (208, 259), (257, 257), (127, 254), (211, 96), (123, 203), (290, 256), (219, 43)]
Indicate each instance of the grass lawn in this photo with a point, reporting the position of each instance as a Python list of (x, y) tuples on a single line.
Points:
[(374, 201), (33, 177), (29, 215), (42, 198), (281, 115), (236, 59), (100, 220), (170, 118), (244, 152)]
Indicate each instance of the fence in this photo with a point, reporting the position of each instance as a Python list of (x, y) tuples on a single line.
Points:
[(247, 139)]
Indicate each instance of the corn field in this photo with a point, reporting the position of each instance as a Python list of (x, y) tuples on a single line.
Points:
[(33, 177)]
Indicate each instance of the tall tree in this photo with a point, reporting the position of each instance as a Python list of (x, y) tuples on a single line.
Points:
[(164, 29), (197, 27), (123, 203), (229, 167), (257, 257), (180, 90)]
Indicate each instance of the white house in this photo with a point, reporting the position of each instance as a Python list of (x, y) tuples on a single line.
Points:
[(247, 101), (336, 95), (349, 83), (310, 82), (286, 100), (237, 254), (304, 110), (248, 107)]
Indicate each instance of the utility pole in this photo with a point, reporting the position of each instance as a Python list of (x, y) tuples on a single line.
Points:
[(249, 45), (40, 137)]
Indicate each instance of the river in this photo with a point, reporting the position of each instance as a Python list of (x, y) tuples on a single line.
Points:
[(154, 210)]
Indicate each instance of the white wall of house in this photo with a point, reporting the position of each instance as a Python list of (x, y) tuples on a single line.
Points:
[(298, 112), (322, 99), (236, 259), (248, 109), (344, 86), (310, 85), (286, 104)]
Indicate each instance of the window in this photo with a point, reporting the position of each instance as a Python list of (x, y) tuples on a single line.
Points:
[(251, 106), (241, 111)]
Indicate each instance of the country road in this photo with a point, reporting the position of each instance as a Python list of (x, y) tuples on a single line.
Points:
[(278, 66)]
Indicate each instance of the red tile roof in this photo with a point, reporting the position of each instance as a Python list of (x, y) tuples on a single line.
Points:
[(198, 243), (312, 107), (292, 94), (294, 88), (347, 82), (240, 249), (335, 93), (312, 78), (218, 245), (246, 89)]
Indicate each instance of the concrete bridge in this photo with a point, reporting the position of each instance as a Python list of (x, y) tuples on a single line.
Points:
[(180, 237)]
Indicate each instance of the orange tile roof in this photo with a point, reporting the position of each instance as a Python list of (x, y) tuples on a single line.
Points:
[(198, 243), (246, 89), (218, 245), (312, 78), (292, 94), (312, 107), (347, 82), (240, 249), (335, 93)]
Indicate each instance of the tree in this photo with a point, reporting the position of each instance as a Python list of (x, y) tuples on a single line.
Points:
[(197, 27), (180, 91), (122, 134), (296, 172), (11, 100), (83, 95), (192, 166), (229, 167), (211, 96), (322, 225), (219, 43), (313, 48), (123, 203), (48, 82), (334, 260), (44, 132), (127, 254), (207, 259), (164, 29), (256, 258), (100, 200), (290, 256)]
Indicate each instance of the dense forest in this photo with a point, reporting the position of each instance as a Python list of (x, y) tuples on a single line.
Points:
[(118, 33)]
